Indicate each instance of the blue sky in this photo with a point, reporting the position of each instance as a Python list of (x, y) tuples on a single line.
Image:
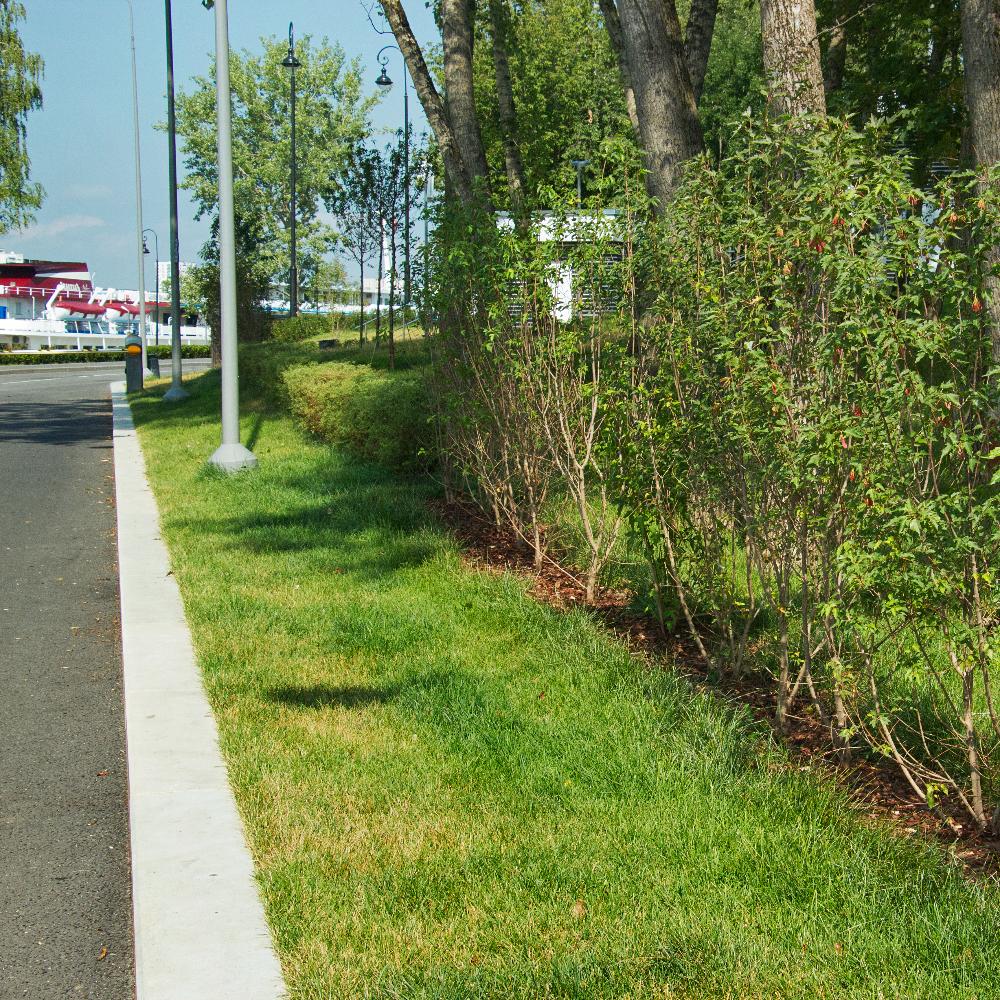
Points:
[(81, 142)]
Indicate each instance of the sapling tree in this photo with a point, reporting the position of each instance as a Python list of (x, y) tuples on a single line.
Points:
[(354, 201), (331, 119)]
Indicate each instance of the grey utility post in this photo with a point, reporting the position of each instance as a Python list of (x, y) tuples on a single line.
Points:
[(138, 192), (230, 456), (176, 391)]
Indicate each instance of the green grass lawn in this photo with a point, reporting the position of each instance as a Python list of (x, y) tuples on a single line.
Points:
[(453, 792)]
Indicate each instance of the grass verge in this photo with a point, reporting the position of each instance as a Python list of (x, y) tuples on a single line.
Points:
[(452, 792)]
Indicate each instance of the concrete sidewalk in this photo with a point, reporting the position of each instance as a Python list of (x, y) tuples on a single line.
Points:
[(200, 932)]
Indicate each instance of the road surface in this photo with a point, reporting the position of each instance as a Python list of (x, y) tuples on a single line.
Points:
[(65, 905)]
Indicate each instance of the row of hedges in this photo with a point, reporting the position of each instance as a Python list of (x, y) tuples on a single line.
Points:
[(374, 415), (96, 357)]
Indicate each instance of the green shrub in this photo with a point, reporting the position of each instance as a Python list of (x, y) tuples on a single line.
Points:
[(291, 330), (379, 416), (295, 328), (95, 357)]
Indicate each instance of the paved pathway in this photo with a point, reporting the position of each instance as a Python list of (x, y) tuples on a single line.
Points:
[(65, 906)]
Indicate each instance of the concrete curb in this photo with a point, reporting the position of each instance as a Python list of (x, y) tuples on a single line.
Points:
[(200, 932)]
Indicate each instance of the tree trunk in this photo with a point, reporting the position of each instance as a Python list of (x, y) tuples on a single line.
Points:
[(508, 113), (836, 60), (698, 42), (361, 297), (668, 117), (458, 174), (613, 26), (457, 37), (836, 50), (791, 57), (981, 44)]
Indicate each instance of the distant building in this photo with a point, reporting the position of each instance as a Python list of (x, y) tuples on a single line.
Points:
[(163, 274)]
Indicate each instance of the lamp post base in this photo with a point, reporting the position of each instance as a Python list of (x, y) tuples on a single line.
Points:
[(231, 458), (175, 394)]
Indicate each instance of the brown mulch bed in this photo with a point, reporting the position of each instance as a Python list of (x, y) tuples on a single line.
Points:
[(875, 786)]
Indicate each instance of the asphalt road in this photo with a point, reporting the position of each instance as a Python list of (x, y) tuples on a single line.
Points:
[(65, 905)]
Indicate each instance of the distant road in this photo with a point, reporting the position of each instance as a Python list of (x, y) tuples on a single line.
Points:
[(65, 902)]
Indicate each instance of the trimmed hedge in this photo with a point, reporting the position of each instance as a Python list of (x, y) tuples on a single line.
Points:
[(94, 357), (291, 330), (380, 416)]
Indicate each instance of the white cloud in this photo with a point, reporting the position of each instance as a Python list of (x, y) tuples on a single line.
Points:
[(63, 224)]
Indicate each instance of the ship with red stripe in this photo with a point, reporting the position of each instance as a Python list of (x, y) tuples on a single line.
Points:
[(46, 304)]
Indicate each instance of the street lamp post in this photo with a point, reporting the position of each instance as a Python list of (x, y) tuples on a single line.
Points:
[(176, 391), (156, 261), (230, 456), (138, 193), (292, 64), (385, 83)]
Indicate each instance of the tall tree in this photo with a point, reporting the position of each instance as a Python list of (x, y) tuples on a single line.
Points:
[(460, 168), (20, 92), (900, 60), (613, 25), (981, 44), (835, 57), (567, 92), (331, 118), (698, 35), (458, 37), (499, 22), (668, 116), (792, 57), (354, 202)]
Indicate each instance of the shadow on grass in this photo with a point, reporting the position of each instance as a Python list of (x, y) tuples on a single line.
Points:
[(326, 696)]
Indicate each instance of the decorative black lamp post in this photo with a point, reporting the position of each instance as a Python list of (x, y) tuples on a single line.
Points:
[(292, 64), (385, 83)]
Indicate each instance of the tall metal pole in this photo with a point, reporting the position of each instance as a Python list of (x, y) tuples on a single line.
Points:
[(230, 456), (138, 193), (176, 391), (293, 273)]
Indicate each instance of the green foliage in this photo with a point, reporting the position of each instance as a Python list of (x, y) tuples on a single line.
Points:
[(378, 416), (452, 792), (290, 330), (904, 60), (734, 80), (811, 437), (20, 92), (567, 92), (95, 357), (331, 116), (784, 388)]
